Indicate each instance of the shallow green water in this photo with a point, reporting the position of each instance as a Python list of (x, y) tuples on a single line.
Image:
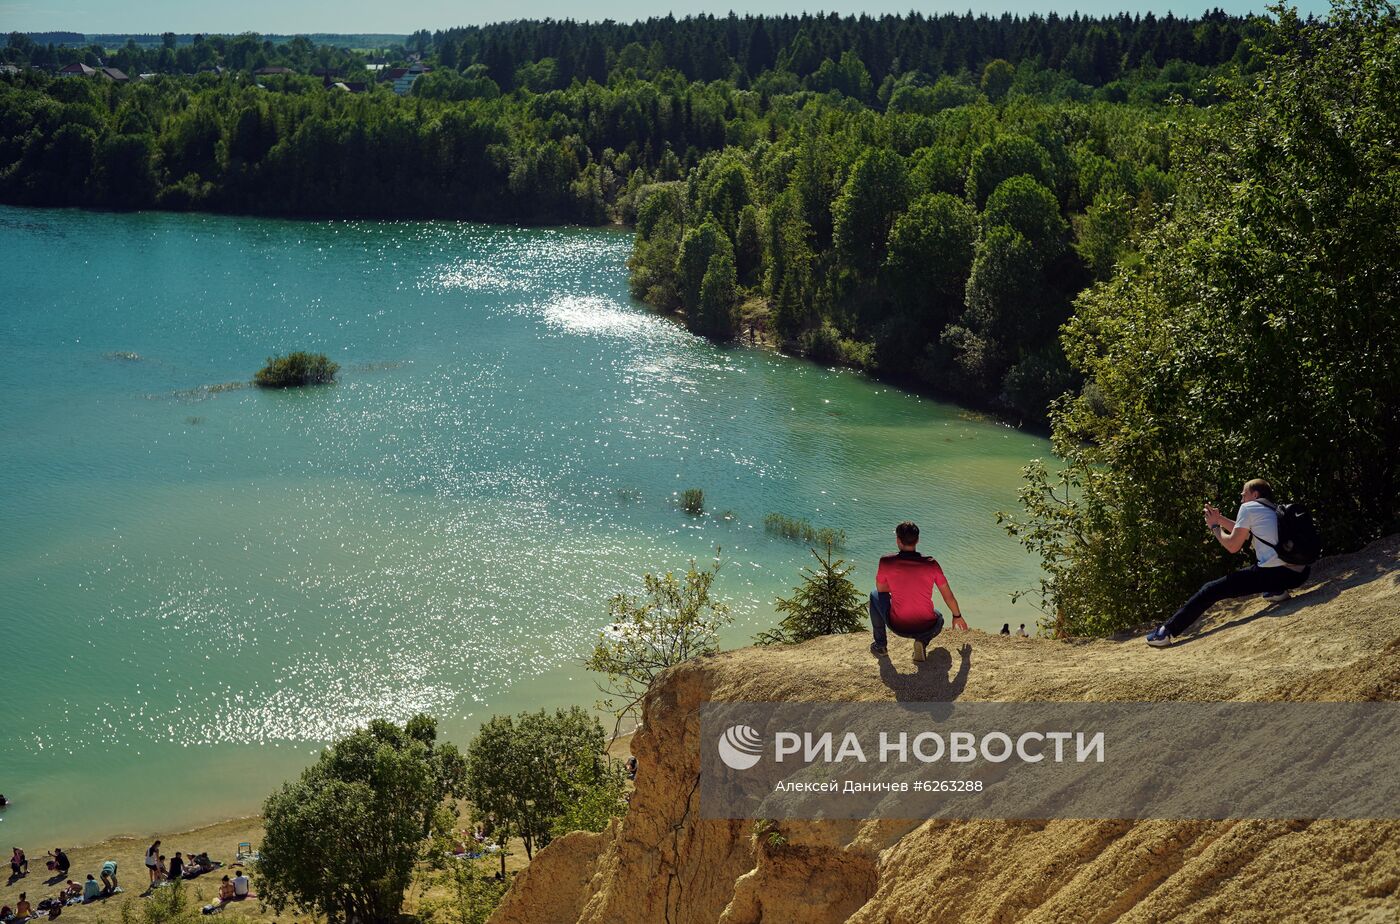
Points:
[(198, 588)]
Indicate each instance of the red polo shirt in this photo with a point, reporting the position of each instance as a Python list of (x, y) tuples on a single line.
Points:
[(911, 578)]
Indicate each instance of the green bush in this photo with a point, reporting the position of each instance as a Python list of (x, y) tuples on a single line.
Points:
[(824, 344), (170, 905), (467, 892), (693, 501), (826, 603), (672, 620), (538, 774), (343, 840), (296, 369)]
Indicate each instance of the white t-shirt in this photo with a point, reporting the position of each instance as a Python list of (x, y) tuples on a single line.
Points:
[(1261, 521), (240, 884)]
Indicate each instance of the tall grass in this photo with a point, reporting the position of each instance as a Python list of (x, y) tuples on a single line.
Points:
[(799, 529), (693, 501)]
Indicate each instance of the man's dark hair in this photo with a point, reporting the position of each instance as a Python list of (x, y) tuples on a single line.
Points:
[(907, 533), (1261, 487)]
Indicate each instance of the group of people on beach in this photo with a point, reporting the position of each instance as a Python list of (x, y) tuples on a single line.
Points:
[(162, 871), (72, 893), (902, 601), (104, 883), (231, 888)]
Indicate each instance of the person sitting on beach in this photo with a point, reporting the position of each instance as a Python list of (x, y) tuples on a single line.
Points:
[(240, 886), (1006, 628), (19, 864), (109, 877), (23, 910), (903, 596), (162, 871), (1271, 576), (177, 867), (1022, 631), (58, 861), (225, 896), (70, 891), (91, 890), (5, 913)]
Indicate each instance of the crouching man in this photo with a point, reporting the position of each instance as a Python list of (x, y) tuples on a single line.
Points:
[(902, 602)]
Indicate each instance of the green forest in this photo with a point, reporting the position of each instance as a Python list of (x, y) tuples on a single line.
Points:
[(816, 163), (1171, 242)]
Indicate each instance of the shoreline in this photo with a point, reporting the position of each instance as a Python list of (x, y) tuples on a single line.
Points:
[(764, 339), (221, 840), (89, 842), (619, 748)]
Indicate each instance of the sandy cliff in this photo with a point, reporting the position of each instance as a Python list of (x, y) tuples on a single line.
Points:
[(1338, 639)]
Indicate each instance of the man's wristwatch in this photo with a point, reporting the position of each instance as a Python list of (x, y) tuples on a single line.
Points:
[(1215, 527)]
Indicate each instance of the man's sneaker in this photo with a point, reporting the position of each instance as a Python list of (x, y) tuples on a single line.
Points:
[(920, 651), (878, 651), (1158, 637), (1276, 597)]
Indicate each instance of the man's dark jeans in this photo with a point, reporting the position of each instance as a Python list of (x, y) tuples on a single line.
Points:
[(1249, 581), (880, 619)]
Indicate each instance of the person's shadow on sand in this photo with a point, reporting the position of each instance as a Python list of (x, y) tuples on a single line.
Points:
[(929, 682)]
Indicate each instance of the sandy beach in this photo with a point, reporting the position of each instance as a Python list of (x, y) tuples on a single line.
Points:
[(219, 840)]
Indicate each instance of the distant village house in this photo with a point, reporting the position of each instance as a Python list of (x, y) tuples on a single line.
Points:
[(403, 77), (78, 69)]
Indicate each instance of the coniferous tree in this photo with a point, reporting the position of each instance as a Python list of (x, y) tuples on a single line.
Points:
[(826, 603)]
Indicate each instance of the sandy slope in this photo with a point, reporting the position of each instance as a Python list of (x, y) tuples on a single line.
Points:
[(1338, 639)]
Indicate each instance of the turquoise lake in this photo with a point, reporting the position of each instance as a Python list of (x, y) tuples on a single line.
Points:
[(199, 587)]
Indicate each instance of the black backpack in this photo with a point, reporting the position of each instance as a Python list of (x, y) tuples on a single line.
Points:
[(1298, 540)]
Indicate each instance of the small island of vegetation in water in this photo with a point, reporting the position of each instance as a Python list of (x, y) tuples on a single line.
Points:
[(296, 369)]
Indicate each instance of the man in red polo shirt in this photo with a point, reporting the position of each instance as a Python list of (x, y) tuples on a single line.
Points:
[(903, 596)]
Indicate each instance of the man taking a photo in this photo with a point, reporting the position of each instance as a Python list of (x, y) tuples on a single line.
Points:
[(1271, 576)]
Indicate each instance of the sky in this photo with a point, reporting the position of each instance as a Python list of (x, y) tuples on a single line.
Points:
[(352, 16)]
